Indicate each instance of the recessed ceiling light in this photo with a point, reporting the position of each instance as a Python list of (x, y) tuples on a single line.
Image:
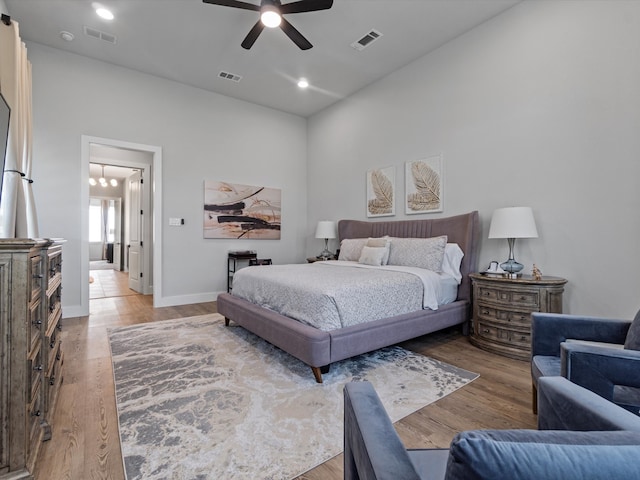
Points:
[(303, 83), (104, 13)]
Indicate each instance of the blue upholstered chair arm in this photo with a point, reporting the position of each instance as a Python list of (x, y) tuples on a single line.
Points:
[(563, 405), (549, 330), (601, 369), (372, 448)]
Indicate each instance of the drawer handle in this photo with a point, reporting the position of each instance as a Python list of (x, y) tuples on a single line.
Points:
[(36, 413), (59, 326), (485, 312), (486, 330), (523, 338), (37, 323), (52, 380), (522, 297), (52, 343), (487, 294), (39, 275), (58, 357), (38, 368)]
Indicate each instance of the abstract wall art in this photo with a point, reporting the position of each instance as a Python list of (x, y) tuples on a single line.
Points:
[(232, 210)]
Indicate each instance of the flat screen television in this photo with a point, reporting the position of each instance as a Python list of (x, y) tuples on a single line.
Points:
[(5, 114)]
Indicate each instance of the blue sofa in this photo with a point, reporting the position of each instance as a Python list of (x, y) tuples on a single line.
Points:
[(600, 354), (581, 436)]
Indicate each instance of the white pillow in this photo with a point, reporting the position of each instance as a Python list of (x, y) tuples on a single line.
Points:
[(351, 248), (381, 242), (418, 252), (372, 255), (452, 259)]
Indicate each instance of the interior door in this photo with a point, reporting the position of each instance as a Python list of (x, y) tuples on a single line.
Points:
[(117, 234), (134, 250)]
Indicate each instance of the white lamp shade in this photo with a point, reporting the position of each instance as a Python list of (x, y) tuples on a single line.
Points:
[(513, 222), (326, 229)]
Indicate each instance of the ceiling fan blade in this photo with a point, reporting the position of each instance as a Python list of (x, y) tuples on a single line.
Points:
[(253, 35), (235, 4), (295, 35), (305, 6)]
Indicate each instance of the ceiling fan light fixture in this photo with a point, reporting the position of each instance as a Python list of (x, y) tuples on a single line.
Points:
[(270, 16)]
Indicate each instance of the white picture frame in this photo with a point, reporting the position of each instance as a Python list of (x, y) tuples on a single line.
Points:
[(424, 185), (381, 192)]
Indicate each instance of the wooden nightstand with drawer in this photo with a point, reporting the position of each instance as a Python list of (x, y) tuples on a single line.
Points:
[(502, 308)]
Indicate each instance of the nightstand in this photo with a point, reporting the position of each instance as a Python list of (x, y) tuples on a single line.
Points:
[(502, 308)]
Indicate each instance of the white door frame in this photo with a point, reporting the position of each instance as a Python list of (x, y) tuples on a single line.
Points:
[(155, 184)]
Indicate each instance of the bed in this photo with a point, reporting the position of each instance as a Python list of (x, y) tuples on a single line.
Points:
[(319, 348)]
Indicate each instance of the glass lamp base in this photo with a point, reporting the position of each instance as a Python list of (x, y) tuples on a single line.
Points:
[(512, 268)]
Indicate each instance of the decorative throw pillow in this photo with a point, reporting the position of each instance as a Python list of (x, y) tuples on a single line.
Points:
[(351, 248), (372, 255), (632, 341), (381, 242), (418, 252)]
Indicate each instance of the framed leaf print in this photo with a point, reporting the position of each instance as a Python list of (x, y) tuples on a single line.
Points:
[(381, 192), (424, 185)]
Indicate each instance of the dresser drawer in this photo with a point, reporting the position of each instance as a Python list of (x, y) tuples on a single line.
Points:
[(34, 370), (509, 318), (523, 298), (492, 332), (34, 323), (34, 410), (37, 278)]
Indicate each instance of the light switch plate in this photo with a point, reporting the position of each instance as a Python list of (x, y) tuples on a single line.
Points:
[(176, 222)]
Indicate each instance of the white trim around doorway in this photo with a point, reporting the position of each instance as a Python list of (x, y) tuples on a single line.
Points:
[(155, 185)]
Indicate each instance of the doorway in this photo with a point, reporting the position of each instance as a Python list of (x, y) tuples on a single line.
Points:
[(147, 161)]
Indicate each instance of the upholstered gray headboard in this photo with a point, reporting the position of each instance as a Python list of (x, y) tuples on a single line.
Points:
[(461, 229)]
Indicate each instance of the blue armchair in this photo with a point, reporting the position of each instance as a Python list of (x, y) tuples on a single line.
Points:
[(600, 354), (373, 450)]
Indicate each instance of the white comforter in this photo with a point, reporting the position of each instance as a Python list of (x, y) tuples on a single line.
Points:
[(336, 294)]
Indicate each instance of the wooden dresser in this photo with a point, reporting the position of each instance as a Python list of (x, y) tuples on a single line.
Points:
[(30, 351), (502, 308)]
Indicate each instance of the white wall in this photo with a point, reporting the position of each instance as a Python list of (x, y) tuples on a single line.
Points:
[(539, 107), (202, 135)]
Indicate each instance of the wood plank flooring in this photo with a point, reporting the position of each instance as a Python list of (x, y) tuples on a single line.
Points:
[(86, 446)]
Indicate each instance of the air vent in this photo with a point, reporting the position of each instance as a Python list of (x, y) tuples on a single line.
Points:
[(367, 40), (230, 76), (107, 37)]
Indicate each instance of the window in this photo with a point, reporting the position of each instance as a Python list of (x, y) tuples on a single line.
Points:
[(96, 230)]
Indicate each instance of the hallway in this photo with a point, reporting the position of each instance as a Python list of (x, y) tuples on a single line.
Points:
[(109, 283)]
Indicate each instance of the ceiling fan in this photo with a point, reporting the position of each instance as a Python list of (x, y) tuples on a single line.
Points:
[(271, 12)]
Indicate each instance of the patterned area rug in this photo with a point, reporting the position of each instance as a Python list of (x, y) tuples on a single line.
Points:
[(198, 400)]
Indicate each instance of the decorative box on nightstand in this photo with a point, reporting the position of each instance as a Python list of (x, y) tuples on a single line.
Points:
[(502, 308)]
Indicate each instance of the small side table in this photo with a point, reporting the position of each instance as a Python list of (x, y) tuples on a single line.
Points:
[(502, 308), (234, 263)]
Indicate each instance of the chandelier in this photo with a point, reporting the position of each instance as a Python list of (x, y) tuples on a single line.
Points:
[(103, 181)]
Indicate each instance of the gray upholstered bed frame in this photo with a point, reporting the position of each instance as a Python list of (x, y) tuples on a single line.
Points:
[(319, 349)]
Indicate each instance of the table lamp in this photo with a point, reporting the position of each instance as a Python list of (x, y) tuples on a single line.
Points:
[(326, 229), (512, 223)]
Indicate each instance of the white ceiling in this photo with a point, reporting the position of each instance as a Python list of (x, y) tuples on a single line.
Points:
[(192, 42)]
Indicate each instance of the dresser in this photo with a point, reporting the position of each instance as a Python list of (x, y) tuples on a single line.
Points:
[(30, 350), (502, 307)]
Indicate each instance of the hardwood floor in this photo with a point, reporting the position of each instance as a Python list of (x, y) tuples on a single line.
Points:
[(86, 446)]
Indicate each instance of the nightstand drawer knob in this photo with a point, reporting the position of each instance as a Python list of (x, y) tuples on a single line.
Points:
[(36, 413), (485, 312), (486, 330)]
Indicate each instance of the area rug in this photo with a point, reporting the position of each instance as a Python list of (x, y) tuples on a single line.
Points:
[(198, 400)]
